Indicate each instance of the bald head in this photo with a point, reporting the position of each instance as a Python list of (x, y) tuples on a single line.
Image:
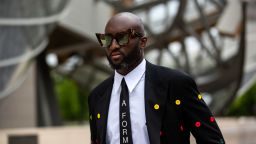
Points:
[(123, 21)]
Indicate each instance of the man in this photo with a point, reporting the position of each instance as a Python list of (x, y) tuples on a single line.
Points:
[(142, 103)]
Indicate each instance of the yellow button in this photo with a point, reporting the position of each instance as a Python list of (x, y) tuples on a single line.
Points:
[(156, 106), (177, 102), (98, 116), (199, 97)]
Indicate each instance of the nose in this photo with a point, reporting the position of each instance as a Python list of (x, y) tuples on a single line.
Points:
[(113, 44)]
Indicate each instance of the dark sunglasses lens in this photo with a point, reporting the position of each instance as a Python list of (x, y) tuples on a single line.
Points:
[(105, 40), (123, 38)]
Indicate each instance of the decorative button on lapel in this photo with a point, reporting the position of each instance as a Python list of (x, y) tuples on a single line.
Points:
[(199, 97), (98, 115), (156, 106), (197, 124), (177, 102)]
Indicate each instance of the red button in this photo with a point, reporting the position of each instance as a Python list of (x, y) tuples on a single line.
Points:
[(212, 119), (197, 124), (161, 133), (181, 128)]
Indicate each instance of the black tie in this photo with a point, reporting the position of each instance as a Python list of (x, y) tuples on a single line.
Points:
[(124, 116)]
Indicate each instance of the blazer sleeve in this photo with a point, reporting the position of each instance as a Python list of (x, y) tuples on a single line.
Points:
[(195, 113)]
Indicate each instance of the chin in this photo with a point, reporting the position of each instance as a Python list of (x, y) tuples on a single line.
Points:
[(118, 66)]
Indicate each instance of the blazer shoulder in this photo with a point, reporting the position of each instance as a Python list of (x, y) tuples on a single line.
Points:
[(100, 88), (169, 73)]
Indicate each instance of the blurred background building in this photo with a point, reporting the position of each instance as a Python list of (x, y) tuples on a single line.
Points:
[(50, 60)]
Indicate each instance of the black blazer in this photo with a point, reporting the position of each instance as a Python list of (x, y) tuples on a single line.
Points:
[(173, 107)]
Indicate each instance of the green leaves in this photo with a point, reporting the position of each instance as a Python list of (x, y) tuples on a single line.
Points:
[(244, 105), (72, 99)]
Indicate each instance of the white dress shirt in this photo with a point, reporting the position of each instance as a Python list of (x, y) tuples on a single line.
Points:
[(135, 81)]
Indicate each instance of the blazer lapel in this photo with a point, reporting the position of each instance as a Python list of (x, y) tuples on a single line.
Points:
[(154, 104), (103, 106)]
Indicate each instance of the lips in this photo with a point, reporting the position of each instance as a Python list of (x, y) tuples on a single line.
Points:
[(116, 55)]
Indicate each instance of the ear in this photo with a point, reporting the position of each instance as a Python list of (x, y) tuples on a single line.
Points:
[(143, 42)]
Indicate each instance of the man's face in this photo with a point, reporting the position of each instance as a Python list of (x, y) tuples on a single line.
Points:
[(124, 48)]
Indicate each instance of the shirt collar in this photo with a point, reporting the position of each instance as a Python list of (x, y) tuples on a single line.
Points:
[(132, 78)]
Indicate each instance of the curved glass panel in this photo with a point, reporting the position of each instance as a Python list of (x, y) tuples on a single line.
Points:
[(24, 28)]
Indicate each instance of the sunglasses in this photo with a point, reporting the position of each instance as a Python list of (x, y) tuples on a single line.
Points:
[(122, 38)]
